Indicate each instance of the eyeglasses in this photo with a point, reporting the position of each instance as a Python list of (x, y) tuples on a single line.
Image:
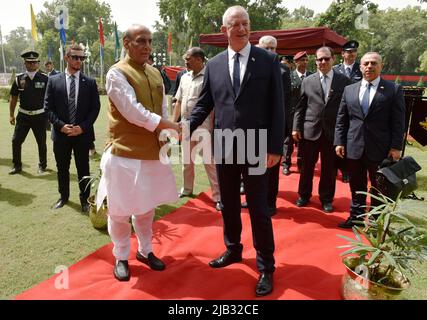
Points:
[(326, 59), (75, 57)]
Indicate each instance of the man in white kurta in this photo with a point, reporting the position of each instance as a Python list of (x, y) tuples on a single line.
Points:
[(134, 187)]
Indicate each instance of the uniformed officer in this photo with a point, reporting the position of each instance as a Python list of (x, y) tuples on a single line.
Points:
[(350, 67), (30, 87)]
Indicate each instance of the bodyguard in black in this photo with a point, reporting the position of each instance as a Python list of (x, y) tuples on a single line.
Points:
[(30, 87)]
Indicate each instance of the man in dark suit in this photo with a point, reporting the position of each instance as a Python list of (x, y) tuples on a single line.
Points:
[(72, 104), (50, 70), (351, 69), (370, 127), (297, 75), (243, 86), (314, 125)]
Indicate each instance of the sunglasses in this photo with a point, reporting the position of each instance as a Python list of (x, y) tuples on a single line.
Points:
[(75, 57), (326, 59)]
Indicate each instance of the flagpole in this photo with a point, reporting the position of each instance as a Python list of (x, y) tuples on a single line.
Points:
[(2, 51), (102, 65)]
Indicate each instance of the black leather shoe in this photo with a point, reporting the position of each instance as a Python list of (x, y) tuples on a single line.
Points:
[(327, 207), (242, 188), (59, 204), (264, 285), (152, 261), (219, 206), (272, 211), (15, 170), (225, 259), (286, 171), (302, 202), (345, 177), (244, 204), (121, 270), (350, 222), (85, 207)]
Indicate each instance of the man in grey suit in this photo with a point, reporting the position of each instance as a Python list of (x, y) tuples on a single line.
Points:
[(370, 127), (314, 125), (243, 86)]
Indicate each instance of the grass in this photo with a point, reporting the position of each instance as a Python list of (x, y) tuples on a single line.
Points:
[(35, 240)]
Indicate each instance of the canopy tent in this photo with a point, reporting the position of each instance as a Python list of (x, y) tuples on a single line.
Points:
[(289, 41)]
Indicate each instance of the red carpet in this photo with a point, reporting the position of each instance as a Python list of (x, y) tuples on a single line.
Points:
[(307, 260)]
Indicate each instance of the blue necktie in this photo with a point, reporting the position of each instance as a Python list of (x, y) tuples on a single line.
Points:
[(365, 99), (236, 74), (72, 100)]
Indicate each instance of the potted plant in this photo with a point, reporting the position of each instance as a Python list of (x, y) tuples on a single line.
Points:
[(380, 260), (98, 217)]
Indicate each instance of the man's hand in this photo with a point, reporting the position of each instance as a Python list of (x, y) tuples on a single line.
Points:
[(394, 154), (75, 131), (272, 159), (67, 129), (340, 151), (12, 120), (296, 135)]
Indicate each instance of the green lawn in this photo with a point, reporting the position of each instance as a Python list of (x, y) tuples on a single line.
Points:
[(34, 240)]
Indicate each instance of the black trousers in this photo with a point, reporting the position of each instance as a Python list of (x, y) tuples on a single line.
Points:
[(62, 149), (24, 122), (256, 197), (359, 170), (273, 185), (288, 149), (310, 154)]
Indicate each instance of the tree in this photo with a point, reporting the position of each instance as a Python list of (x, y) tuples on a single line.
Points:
[(423, 62), (300, 18), (16, 42)]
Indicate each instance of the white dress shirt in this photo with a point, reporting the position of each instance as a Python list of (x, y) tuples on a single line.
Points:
[(76, 82), (243, 61), (364, 86)]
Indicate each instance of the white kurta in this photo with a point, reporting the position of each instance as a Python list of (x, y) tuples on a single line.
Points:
[(132, 186)]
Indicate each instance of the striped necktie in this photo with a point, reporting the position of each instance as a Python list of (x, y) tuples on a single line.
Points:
[(72, 100)]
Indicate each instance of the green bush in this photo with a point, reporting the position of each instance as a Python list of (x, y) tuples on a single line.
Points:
[(4, 93)]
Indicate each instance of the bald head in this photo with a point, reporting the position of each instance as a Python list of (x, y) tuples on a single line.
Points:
[(135, 29)]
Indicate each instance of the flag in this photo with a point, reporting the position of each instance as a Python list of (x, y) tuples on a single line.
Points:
[(87, 52), (62, 34), (33, 25), (117, 43), (169, 42), (61, 52), (101, 37), (49, 53)]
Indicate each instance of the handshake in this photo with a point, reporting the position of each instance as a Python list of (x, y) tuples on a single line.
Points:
[(174, 129)]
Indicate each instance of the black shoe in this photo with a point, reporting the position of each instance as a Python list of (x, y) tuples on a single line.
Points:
[(184, 194), (286, 171), (345, 177), (41, 170), (264, 285), (272, 211), (244, 204), (152, 261), (85, 208), (242, 188), (219, 206), (121, 270), (350, 223), (15, 170), (302, 202), (226, 259), (327, 207), (59, 204)]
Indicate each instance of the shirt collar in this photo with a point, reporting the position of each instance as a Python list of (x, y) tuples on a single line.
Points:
[(76, 75), (374, 83), (300, 74), (348, 66), (201, 73), (31, 74), (244, 52), (329, 74)]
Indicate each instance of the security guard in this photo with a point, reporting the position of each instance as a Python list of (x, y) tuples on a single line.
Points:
[(350, 67), (30, 87)]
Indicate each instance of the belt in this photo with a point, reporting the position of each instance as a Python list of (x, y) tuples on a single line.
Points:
[(31, 112)]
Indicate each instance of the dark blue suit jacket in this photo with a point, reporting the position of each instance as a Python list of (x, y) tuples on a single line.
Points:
[(380, 130), (56, 106), (258, 105), (355, 75)]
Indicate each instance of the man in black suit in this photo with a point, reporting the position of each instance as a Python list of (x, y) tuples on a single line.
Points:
[(297, 75), (351, 69), (50, 70), (314, 126), (72, 104), (370, 127), (243, 86)]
